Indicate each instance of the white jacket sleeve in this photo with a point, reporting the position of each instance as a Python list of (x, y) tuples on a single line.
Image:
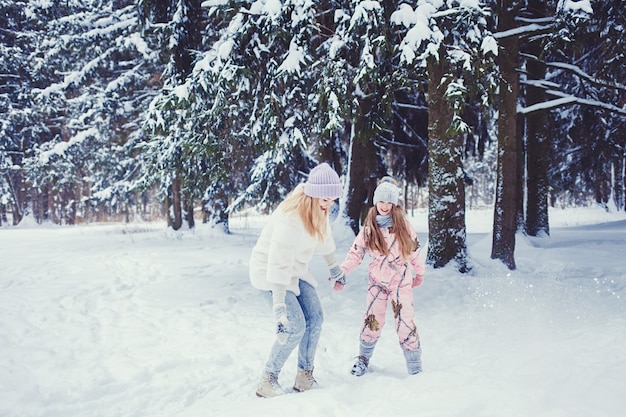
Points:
[(281, 254)]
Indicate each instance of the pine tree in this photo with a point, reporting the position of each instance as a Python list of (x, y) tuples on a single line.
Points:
[(588, 64), (252, 94), (454, 42), (250, 107), (21, 128), (91, 78), (170, 160), (362, 42)]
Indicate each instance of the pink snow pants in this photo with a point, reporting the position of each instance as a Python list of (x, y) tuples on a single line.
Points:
[(400, 291)]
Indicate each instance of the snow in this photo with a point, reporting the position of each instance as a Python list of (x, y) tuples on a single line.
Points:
[(270, 7), (418, 20), (489, 44), (181, 91), (60, 148), (575, 6), (294, 60), (139, 320)]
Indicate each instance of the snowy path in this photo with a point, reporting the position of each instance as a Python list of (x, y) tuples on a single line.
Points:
[(139, 321)]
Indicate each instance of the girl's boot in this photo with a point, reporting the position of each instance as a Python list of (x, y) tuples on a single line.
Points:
[(362, 361), (413, 360)]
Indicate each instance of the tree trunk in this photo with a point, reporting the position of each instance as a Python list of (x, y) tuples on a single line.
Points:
[(366, 167), (623, 174), (191, 221), (176, 211), (519, 176), (16, 188), (602, 182), (69, 206), (618, 183), (330, 151), (216, 211), (537, 149), (446, 189), (168, 208), (505, 210)]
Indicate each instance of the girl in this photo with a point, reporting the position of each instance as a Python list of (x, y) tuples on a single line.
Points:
[(393, 246), (298, 229)]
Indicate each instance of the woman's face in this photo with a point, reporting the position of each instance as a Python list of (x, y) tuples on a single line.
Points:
[(384, 207), (325, 203)]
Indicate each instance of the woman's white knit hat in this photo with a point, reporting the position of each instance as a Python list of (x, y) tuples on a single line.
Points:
[(323, 182), (386, 191)]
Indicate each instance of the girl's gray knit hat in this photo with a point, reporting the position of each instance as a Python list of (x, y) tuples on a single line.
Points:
[(323, 182), (388, 192)]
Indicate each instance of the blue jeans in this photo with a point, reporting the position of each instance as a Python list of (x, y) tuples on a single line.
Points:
[(305, 316)]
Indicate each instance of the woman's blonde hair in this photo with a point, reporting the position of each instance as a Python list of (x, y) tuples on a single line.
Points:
[(374, 237), (315, 220)]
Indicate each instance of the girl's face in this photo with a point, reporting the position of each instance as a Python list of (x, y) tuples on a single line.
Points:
[(384, 207), (325, 203)]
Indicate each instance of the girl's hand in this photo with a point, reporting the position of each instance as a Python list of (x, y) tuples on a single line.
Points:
[(337, 285), (417, 280)]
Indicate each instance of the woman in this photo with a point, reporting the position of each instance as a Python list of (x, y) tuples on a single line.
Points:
[(298, 229)]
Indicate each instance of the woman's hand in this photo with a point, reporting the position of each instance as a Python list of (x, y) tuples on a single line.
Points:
[(337, 278), (282, 323)]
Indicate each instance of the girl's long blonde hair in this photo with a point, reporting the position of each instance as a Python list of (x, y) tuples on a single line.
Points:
[(375, 240), (315, 220)]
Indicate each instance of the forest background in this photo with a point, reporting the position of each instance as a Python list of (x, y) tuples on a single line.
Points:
[(187, 109)]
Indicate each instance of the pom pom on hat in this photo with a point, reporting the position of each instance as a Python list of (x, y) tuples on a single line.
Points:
[(387, 191), (323, 182)]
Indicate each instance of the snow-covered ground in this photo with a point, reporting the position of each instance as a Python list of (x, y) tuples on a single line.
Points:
[(137, 320)]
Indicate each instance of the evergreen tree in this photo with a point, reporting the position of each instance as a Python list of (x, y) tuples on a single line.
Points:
[(454, 43), (91, 78), (252, 94), (385, 105), (589, 66), (362, 42), (171, 161), (250, 107), (21, 126)]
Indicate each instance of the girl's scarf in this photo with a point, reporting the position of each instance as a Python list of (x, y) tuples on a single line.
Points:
[(384, 221)]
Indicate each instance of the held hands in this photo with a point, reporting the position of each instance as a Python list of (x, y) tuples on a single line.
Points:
[(417, 280), (282, 324), (337, 278)]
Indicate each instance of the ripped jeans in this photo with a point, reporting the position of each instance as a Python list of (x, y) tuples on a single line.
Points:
[(305, 316)]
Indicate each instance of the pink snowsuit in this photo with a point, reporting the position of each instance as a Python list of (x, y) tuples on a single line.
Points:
[(389, 277)]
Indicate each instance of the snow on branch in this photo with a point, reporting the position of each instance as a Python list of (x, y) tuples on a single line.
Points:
[(547, 105), (593, 103), (294, 60), (522, 30), (76, 77), (582, 74), (567, 99)]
